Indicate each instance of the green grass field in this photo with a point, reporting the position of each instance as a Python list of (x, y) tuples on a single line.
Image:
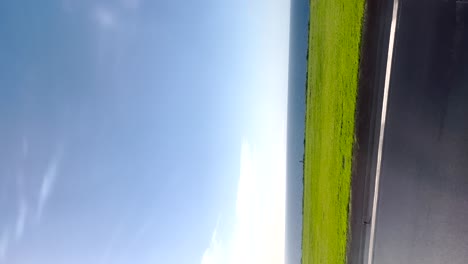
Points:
[(333, 63)]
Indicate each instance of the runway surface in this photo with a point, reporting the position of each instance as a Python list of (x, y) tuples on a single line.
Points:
[(422, 210)]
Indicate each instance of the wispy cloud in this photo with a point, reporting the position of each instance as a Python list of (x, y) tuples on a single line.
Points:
[(48, 183), (240, 244), (21, 220), (4, 244), (213, 254), (22, 209), (247, 211), (258, 233), (111, 244), (141, 231), (104, 17)]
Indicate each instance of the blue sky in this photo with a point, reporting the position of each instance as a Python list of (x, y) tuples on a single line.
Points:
[(137, 131)]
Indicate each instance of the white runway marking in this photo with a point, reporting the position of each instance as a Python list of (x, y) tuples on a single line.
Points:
[(382, 129)]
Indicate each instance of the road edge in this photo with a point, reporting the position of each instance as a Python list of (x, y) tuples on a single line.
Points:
[(372, 67)]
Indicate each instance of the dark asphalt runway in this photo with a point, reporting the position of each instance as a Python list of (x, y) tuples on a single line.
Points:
[(372, 70), (422, 214)]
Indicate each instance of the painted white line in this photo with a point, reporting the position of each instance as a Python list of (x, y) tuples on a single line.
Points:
[(388, 72)]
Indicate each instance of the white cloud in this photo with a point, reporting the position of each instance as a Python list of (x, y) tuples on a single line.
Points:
[(105, 17), (111, 244), (21, 220), (213, 254), (246, 187), (47, 185), (4, 243), (258, 234), (244, 245)]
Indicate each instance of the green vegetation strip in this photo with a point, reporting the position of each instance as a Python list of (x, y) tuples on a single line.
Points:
[(333, 64)]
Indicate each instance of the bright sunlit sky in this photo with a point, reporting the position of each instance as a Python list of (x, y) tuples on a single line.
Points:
[(143, 131)]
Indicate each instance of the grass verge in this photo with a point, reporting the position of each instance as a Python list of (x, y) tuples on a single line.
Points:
[(333, 65)]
